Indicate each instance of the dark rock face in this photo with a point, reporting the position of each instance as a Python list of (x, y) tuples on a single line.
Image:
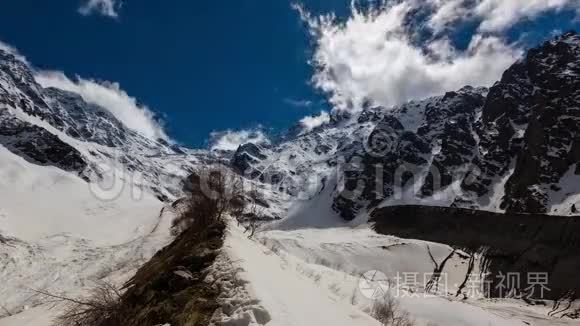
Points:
[(65, 111), (453, 137), (371, 115), (37, 145), (518, 140), (551, 139), (393, 157), (245, 157), (18, 89), (510, 243), (28, 96), (530, 120)]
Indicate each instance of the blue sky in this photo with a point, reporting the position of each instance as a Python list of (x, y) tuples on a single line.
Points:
[(212, 65)]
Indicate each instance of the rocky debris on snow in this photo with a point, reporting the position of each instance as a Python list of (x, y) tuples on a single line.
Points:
[(237, 306), (174, 286)]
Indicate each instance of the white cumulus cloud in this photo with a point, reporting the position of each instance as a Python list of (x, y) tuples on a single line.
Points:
[(492, 15), (298, 103), (311, 122), (374, 55), (500, 14), (447, 12), (109, 96), (108, 8), (230, 140)]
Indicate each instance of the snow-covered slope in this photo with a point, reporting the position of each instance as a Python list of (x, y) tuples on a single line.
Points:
[(55, 235), (41, 201), (313, 277), (82, 196)]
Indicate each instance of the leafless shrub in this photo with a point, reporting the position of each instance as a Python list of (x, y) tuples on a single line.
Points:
[(251, 219), (214, 191), (101, 308), (6, 310), (389, 313)]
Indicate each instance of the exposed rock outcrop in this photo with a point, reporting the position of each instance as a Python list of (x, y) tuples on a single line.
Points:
[(510, 243)]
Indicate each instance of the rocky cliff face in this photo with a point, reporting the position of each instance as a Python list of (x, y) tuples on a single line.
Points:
[(531, 119), (34, 143), (37, 145), (411, 160)]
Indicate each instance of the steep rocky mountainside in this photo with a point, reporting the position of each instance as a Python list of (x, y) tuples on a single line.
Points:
[(532, 120), (511, 148), (49, 126)]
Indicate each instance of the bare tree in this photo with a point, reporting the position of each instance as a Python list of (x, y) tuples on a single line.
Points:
[(101, 308), (6, 310), (253, 215), (213, 192), (388, 312)]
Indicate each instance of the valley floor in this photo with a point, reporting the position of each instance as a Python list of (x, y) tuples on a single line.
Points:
[(65, 265), (56, 235), (312, 277)]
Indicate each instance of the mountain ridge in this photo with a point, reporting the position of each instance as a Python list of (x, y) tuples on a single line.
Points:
[(473, 147), (480, 142)]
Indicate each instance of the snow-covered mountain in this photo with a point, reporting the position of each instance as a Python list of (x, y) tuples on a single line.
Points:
[(83, 197), (50, 126), (513, 147)]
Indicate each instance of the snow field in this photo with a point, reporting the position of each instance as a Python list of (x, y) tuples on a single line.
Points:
[(60, 238), (312, 276)]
